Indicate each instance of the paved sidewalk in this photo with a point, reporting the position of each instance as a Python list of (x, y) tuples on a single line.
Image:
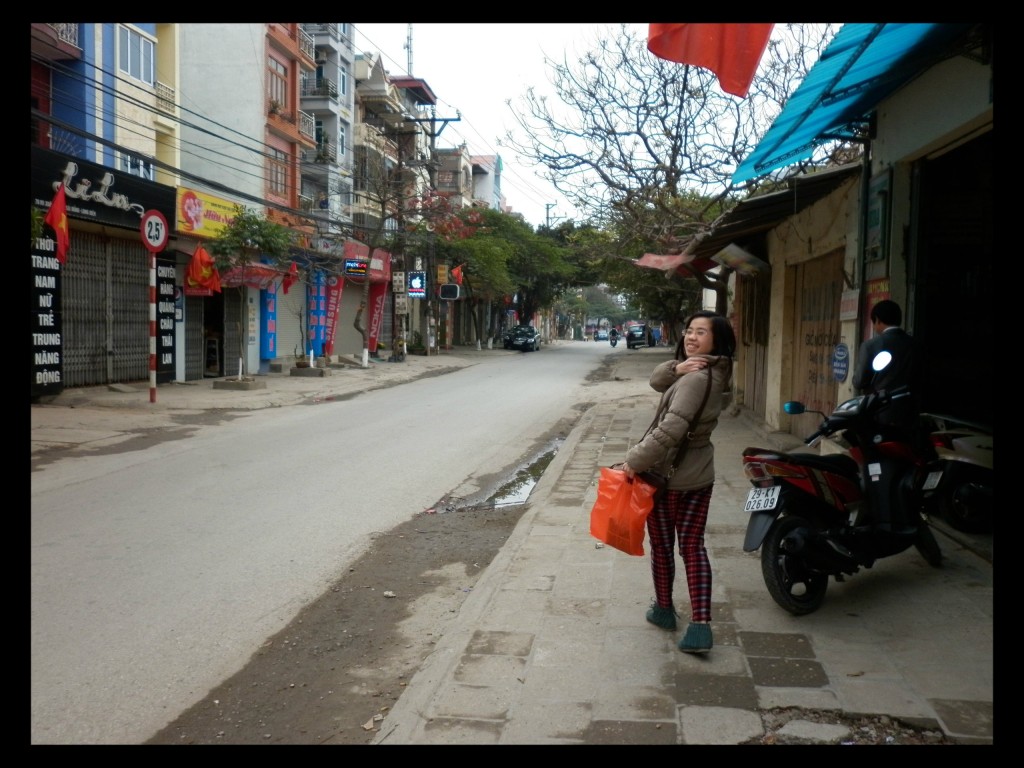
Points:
[(552, 645)]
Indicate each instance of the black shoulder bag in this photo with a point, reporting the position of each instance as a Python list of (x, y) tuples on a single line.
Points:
[(657, 479)]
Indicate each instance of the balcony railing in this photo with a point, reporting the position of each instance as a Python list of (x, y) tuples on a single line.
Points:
[(322, 86), (66, 33), (165, 98), (323, 29), (307, 44), (326, 153), (307, 125)]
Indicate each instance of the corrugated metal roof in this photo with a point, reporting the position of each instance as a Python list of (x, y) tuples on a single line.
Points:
[(759, 214), (862, 65)]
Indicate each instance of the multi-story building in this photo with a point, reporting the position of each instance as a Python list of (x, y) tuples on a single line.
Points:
[(328, 94), (246, 133), (105, 128), (487, 182), (393, 142)]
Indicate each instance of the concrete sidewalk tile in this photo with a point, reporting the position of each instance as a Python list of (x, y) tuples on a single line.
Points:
[(574, 681), (804, 698), (555, 722), (501, 643), (718, 725), (624, 701), (965, 718), (709, 687), (822, 733), (884, 697), (490, 670), (796, 673), (449, 731), (630, 732), (517, 610), (789, 645)]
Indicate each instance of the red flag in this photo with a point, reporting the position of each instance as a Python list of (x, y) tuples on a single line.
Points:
[(202, 272), (457, 274), (57, 218), (292, 276), (731, 51)]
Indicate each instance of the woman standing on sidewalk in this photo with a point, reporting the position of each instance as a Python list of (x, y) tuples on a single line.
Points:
[(705, 349)]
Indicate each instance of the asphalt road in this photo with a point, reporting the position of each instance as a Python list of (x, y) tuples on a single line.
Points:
[(156, 573)]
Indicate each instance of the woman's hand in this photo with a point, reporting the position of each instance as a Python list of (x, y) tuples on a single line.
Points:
[(630, 472), (689, 365)]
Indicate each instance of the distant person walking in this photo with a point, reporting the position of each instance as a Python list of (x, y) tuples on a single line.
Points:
[(681, 511)]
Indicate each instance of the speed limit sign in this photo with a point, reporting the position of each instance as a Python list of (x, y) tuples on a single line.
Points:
[(154, 231)]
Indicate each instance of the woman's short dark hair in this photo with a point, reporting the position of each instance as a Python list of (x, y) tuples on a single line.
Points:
[(721, 331)]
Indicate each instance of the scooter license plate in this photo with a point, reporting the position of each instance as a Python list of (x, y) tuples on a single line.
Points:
[(761, 499), (932, 481)]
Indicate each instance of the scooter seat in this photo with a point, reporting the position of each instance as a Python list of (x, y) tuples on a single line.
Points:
[(833, 462)]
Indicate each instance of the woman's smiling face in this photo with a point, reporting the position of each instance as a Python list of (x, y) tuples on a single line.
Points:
[(698, 339)]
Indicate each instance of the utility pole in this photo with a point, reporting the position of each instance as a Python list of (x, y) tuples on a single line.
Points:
[(433, 133), (547, 214)]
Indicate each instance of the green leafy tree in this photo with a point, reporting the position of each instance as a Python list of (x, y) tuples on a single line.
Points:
[(251, 236)]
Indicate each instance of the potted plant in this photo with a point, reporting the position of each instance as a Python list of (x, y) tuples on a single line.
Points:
[(415, 346)]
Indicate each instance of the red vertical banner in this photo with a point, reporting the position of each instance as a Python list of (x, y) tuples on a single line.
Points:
[(378, 291), (334, 285)]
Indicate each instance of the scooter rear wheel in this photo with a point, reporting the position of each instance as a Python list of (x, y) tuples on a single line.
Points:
[(790, 582), (967, 504)]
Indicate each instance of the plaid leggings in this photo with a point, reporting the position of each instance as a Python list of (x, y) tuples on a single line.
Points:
[(685, 513)]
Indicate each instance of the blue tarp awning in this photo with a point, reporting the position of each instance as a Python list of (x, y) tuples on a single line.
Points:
[(863, 65)]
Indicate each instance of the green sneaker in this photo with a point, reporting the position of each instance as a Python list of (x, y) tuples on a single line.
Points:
[(662, 617), (697, 639)]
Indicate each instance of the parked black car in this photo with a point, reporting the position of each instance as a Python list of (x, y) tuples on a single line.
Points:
[(524, 337), (636, 336)]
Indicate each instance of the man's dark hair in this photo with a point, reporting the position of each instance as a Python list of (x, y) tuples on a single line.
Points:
[(887, 312)]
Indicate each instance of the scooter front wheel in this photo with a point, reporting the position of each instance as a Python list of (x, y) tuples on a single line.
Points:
[(791, 583)]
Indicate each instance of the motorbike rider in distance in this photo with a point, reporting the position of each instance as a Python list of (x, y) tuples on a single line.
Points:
[(613, 334)]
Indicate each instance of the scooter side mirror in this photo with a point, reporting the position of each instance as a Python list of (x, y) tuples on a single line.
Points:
[(881, 360), (793, 408)]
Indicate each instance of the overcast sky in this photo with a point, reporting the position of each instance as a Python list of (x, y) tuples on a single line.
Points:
[(472, 70)]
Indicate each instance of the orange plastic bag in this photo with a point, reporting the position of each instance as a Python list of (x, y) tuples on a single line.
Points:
[(619, 515)]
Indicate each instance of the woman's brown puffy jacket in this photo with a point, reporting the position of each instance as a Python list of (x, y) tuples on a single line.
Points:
[(682, 396)]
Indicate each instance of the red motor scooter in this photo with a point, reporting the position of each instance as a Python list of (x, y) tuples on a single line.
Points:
[(817, 516)]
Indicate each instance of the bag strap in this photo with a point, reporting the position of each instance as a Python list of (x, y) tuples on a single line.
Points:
[(685, 442)]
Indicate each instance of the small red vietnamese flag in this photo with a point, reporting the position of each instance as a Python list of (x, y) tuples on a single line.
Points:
[(731, 51), (202, 272), (457, 274), (57, 218), (291, 277)]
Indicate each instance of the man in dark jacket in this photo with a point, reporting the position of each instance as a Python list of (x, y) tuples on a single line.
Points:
[(902, 370), (901, 416)]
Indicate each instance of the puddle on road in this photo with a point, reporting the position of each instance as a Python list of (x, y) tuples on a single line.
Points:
[(510, 493), (517, 490)]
